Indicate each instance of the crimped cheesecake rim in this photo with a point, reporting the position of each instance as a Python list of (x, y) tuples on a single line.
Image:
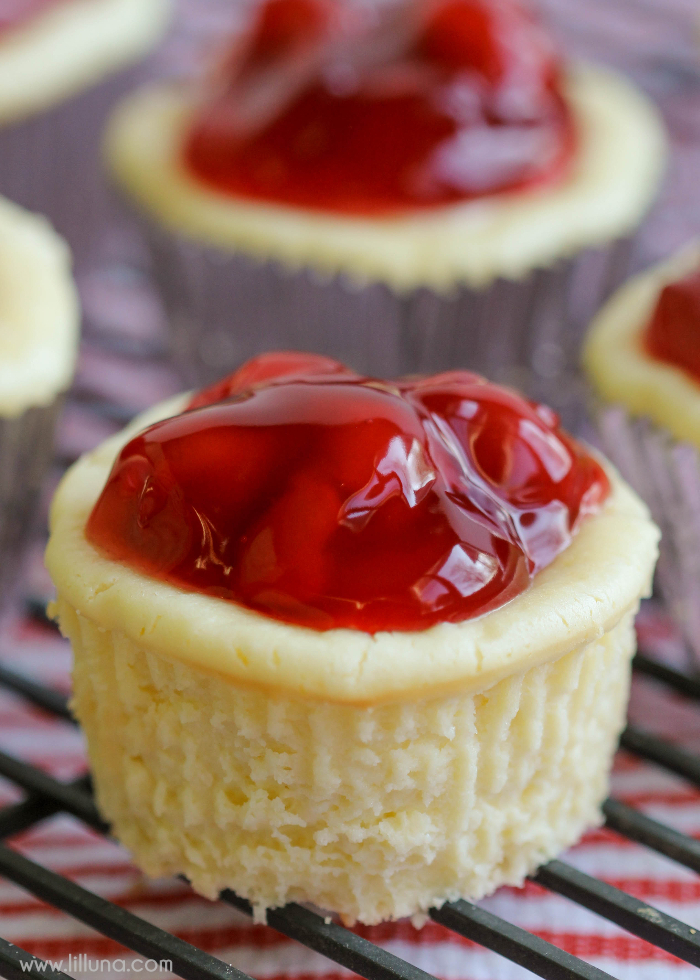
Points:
[(616, 173), (585, 592), (39, 312), (618, 365), (71, 46)]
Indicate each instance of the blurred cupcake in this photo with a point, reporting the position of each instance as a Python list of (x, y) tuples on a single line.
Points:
[(642, 357), (60, 71), (405, 188), (39, 320)]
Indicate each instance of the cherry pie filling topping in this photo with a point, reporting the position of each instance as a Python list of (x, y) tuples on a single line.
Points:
[(327, 105), (324, 499), (673, 335)]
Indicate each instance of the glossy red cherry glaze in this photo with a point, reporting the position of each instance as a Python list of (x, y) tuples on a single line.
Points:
[(303, 491), (15, 13), (324, 499), (674, 332), (421, 104)]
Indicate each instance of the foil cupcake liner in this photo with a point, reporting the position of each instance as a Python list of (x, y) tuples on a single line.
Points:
[(666, 474), (226, 307), (51, 163), (26, 452)]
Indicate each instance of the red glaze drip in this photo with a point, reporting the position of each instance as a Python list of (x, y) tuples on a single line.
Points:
[(324, 499), (674, 332), (15, 13), (427, 103)]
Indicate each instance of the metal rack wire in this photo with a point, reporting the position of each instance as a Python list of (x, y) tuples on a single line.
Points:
[(46, 796)]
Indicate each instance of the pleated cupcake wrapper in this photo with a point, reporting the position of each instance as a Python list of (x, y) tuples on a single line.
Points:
[(666, 474), (26, 452), (226, 307), (51, 163)]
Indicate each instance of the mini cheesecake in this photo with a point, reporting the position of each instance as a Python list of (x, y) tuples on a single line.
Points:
[(58, 48), (641, 360), (39, 313), (39, 324), (425, 255), (63, 64), (625, 371), (332, 644), (611, 183)]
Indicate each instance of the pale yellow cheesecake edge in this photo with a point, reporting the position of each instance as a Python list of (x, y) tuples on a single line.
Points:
[(39, 312), (72, 46), (620, 369)]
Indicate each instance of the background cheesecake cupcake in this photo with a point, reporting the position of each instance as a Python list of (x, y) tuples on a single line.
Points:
[(39, 320), (61, 69), (355, 642), (642, 357), (408, 186)]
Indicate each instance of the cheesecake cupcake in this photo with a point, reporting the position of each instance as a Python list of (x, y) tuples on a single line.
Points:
[(39, 320), (407, 187), (641, 357), (347, 641), (61, 69)]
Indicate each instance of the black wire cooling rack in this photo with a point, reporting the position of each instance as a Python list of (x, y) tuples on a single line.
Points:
[(46, 796)]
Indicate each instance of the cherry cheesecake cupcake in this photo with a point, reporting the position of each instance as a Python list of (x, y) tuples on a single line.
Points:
[(61, 69), (406, 186), (348, 641), (39, 323), (642, 359)]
